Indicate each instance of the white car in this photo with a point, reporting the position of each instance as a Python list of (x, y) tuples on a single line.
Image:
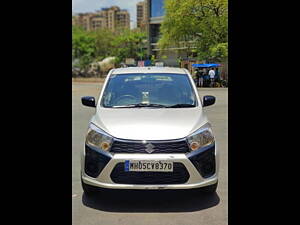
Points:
[(149, 132)]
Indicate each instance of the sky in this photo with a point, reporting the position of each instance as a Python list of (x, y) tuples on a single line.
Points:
[(79, 6)]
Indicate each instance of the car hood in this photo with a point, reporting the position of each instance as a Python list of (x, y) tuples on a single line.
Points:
[(149, 123)]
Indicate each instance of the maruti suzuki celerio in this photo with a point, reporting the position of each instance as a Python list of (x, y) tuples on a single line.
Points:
[(149, 132)]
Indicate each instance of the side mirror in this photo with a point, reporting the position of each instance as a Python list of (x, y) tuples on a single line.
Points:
[(88, 101), (208, 100)]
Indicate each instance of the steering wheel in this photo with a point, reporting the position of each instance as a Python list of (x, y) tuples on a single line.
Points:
[(124, 97)]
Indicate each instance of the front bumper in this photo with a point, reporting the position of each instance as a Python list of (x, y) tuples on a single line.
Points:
[(195, 180)]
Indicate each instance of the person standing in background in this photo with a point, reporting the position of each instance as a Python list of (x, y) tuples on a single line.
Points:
[(198, 74), (205, 77), (212, 74), (201, 78)]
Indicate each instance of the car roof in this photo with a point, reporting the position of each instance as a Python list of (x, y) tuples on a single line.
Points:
[(149, 69)]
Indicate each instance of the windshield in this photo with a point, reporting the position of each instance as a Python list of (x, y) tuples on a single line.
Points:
[(149, 90)]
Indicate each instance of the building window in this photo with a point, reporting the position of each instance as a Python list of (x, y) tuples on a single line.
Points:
[(157, 8), (154, 33)]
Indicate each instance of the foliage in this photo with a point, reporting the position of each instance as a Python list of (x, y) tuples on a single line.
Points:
[(129, 44), (218, 52), (94, 46), (83, 46), (152, 59), (195, 23), (103, 43)]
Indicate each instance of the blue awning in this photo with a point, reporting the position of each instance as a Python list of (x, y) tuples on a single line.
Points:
[(206, 65)]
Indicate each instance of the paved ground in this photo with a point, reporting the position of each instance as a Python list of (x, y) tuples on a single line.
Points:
[(157, 208)]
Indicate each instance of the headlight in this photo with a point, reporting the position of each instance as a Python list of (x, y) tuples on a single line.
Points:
[(201, 137), (98, 138)]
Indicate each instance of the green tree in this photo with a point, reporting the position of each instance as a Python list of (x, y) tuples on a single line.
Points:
[(91, 46), (218, 52), (195, 23), (83, 46), (129, 44), (103, 43)]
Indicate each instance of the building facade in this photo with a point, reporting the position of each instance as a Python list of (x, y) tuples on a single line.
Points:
[(154, 20), (141, 15), (171, 56), (82, 20), (112, 18)]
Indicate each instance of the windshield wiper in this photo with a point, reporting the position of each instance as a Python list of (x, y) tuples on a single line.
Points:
[(140, 105), (181, 106)]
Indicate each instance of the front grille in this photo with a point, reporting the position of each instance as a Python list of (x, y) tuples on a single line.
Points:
[(157, 146), (179, 175)]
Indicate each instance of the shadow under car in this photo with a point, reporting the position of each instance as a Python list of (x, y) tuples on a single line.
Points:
[(162, 201)]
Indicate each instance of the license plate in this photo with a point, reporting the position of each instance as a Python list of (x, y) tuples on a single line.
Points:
[(148, 166)]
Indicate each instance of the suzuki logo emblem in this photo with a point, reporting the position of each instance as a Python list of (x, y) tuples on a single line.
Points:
[(149, 148)]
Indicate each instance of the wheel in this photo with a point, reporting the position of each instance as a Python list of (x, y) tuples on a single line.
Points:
[(209, 189), (224, 83)]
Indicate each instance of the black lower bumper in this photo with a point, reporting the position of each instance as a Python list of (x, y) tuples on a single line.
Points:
[(95, 161), (204, 160)]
